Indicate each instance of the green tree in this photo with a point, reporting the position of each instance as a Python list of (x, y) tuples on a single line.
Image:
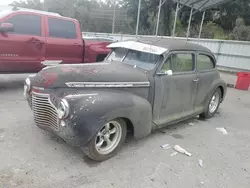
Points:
[(32, 4), (241, 31), (229, 12)]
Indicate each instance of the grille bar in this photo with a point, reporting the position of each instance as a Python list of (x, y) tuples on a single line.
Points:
[(45, 115)]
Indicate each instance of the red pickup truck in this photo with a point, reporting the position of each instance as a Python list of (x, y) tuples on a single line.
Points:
[(31, 40)]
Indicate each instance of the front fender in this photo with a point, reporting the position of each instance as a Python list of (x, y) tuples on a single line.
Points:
[(89, 112)]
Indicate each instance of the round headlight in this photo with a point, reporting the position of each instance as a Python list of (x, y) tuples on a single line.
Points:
[(63, 109)]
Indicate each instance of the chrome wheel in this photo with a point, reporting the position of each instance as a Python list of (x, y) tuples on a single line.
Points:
[(108, 138), (214, 103)]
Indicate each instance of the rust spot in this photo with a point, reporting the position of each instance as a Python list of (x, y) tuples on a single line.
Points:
[(90, 70), (47, 79), (70, 69)]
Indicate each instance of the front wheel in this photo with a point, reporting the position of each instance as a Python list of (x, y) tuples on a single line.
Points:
[(107, 141), (212, 105)]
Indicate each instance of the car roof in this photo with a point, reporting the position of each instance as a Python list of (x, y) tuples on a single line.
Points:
[(173, 44)]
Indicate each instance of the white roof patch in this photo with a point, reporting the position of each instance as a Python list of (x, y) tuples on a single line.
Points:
[(138, 46)]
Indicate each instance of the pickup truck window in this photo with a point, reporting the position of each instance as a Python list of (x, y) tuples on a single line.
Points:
[(59, 28), (26, 24)]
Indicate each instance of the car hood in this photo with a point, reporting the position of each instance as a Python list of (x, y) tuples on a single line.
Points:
[(79, 74)]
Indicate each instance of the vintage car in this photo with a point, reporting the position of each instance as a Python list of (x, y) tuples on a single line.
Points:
[(141, 86)]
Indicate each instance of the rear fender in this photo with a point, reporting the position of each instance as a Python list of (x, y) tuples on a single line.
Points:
[(217, 83)]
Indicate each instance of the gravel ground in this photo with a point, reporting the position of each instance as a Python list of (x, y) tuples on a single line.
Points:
[(30, 157)]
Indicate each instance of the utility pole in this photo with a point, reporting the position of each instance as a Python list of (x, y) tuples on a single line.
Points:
[(113, 25), (138, 17)]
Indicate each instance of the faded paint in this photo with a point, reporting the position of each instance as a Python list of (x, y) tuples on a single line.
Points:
[(165, 100), (139, 46)]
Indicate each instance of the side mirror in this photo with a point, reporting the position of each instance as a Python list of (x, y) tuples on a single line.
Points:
[(164, 72), (6, 27)]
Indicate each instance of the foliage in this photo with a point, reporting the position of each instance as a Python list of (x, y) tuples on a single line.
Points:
[(229, 12), (214, 31), (32, 4), (98, 16), (241, 31)]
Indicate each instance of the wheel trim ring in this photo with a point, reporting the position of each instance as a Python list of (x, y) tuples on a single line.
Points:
[(115, 141), (214, 102)]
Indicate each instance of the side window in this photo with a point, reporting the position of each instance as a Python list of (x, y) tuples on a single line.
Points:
[(179, 63), (26, 24), (204, 62), (62, 28), (167, 65)]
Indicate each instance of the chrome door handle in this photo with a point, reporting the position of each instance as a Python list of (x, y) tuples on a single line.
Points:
[(197, 80)]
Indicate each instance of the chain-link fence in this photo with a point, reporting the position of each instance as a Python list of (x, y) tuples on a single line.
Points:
[(108, 20)]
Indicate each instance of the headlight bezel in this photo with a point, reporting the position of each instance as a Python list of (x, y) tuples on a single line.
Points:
[(63, 109), (27, 87)]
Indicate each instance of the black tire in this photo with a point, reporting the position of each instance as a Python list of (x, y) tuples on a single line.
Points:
[(207, 114), (92, 152)]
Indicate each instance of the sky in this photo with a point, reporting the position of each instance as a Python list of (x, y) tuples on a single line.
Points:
[(5, 2)]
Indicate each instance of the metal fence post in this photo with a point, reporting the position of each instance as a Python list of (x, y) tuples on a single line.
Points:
[(175, 19), (138, 17), (158, 19), (113, 24), (202, 21), (189, 22), (219, 48)]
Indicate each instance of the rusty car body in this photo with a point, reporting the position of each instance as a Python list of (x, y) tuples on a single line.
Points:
[(141, 86)]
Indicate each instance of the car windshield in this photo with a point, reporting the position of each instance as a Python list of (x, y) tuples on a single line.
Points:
[(132, 57)]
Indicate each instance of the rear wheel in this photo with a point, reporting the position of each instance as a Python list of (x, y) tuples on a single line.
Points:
[(107, 141), (212, 104)]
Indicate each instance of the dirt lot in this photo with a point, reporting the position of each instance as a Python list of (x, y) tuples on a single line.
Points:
[(30, 157)]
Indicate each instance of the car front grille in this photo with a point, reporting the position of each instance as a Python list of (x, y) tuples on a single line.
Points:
[(45, 114)]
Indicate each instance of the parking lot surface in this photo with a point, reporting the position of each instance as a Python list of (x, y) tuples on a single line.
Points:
[(31, 157)]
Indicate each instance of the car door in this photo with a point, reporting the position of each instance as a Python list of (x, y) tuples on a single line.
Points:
[(64, 43), (23, 49), (207, 72), (175, 94)]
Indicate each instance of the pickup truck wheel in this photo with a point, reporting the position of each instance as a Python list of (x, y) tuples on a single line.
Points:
[(212, 104), (107, 141)]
